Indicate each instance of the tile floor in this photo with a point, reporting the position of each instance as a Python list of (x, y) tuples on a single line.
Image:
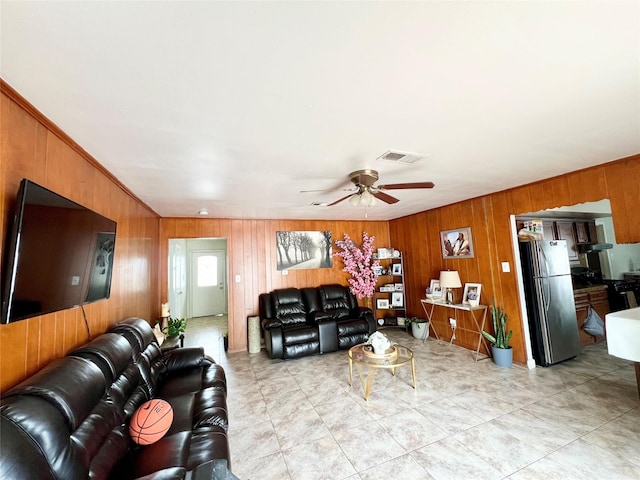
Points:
[(300, 420)]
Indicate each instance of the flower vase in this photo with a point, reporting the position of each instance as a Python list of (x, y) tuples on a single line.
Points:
[(368, 301)]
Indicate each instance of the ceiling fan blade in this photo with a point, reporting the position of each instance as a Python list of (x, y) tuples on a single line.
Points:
[(385, 197), (340, 200), (405, 186), (329, 190)]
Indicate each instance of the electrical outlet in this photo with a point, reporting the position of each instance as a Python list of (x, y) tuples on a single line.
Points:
[(452, 321)]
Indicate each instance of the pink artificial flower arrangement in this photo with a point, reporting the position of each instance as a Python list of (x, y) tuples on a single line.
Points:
[(360, 264)]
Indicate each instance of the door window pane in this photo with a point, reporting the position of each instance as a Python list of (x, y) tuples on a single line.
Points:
[(207, 271)]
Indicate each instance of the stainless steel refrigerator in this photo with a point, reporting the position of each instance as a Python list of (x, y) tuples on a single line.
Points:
[(550, 306)]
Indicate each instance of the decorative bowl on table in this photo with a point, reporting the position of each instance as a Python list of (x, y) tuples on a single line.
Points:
[(389, 354)]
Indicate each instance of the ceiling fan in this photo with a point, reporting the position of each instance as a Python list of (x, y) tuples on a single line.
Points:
[(365, 190)]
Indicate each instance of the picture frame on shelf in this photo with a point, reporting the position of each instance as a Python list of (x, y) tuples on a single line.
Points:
[(384, 253), (377, 270), (382, 303), (399, 287), (471, 294), (457, 243), (388, 288), (397, 300), (401, 321), (396, 269)]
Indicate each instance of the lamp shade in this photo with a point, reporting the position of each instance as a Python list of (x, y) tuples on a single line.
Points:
[(450, 279), (366, 198)]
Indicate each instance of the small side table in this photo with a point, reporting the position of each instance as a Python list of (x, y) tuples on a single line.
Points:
[(172, 343), (429, 305)]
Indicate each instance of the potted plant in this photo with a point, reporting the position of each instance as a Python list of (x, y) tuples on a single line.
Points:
[(500, 348), (419, 327), (175, 327)]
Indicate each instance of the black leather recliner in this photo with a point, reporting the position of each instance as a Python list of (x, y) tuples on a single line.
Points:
[(354, 323), (296, 324)]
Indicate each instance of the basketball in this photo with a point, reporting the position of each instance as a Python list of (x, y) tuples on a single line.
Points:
[(150, 422)]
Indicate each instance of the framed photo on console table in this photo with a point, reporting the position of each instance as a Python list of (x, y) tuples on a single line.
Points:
[(436, 291), (471, 295)]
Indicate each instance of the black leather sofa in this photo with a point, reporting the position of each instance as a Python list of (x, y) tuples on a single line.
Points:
[(309, 321), (70, 420)]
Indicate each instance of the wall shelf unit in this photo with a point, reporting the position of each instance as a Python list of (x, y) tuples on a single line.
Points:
[(389, 298)]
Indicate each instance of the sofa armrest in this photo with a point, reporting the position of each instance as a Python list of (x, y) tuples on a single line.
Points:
[(182, 358), (367, 314), (317, 317), (268, 323), (214, 469)]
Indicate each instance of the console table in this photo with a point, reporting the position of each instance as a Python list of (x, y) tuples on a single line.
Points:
[(430, 305)]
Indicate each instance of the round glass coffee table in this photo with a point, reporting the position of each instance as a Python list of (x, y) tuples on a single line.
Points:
[(366, 360)]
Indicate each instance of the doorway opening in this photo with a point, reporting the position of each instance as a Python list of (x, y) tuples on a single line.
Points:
[(198, 289), (608, 265)]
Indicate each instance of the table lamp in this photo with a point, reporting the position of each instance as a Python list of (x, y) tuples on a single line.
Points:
[(449, 279)]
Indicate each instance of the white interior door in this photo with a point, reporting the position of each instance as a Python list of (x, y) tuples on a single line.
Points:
[(208, 283), (177, 278)]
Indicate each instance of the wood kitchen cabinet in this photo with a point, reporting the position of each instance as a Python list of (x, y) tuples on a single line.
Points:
[(565, 231), (586, 232), (582, 234), (593, 232), (599, 301)]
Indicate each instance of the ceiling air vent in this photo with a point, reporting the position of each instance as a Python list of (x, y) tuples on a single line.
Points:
[(396, 156)]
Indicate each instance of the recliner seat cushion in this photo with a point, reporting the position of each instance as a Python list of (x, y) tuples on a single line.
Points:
[(352, 327), (294, 336)]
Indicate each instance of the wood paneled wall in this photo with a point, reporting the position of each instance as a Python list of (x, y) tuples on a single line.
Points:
[(489, 218), (251, 253), (32, 147)]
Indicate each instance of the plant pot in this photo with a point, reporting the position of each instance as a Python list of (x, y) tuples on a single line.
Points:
[(420, 330), (502, 357), (226, 343)]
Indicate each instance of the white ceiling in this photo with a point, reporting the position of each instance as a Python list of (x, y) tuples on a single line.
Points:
[(238, 106)]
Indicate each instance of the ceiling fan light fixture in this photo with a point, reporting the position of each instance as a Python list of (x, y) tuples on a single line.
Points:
[(355, 199), (366, 198)]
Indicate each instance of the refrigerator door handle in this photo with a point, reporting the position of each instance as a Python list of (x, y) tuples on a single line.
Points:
[(546, 263), (546, 294)]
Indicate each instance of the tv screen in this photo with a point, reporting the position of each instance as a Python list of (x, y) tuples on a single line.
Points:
[(59, 255)]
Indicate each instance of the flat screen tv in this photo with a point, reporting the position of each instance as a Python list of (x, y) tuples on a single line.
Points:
[(59, 255)]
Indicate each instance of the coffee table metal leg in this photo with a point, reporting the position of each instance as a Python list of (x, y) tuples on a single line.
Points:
[(371, 373), (413, 372), (368, 383), (350, 372)]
